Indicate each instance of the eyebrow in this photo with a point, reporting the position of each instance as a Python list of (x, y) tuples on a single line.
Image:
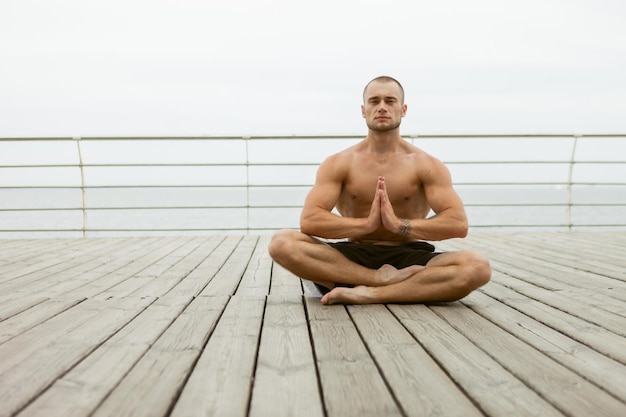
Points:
[(383, 97)]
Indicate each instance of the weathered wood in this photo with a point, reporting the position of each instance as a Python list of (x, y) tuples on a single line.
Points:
[(495, 390), (221, 381), (195, 282), (284, 282), (35, 359), (601, 370), (227, 279), (153, 384), (420, 385), (80, 391), (199, 326), (257, 276), (285, 383), (10, 305), (593, 335), (564, 389), (35, 315), (351, 382)]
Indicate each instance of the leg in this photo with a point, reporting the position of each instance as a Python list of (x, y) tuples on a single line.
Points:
[(314, 260), (447, 277)]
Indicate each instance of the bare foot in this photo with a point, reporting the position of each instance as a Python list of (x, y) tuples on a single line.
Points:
[(388, 274), (348, 295)]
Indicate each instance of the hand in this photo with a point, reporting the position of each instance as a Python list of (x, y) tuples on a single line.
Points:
[(374, 218), (388, 217)]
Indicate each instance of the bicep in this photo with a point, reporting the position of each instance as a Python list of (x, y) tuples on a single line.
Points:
[(326, 190), (439, 191)]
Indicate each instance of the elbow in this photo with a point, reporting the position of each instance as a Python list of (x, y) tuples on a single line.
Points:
[(462, 228), (307, 225)]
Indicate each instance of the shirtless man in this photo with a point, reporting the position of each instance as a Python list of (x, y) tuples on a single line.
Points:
[(383, 187)]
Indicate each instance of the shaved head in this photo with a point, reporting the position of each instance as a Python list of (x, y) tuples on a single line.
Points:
[(385, 79)]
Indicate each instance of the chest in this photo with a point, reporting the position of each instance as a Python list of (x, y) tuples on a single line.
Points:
[(401, 179)]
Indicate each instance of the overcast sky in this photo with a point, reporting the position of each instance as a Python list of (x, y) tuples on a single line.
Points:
[(255, 67)]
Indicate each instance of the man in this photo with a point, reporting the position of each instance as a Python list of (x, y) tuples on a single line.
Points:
[(384, 188)]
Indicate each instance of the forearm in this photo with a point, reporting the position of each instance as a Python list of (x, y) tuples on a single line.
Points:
[(440, 227), (331, 226)]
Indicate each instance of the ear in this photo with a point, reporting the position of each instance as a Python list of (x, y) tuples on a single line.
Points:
[(404, 107), (362, 110)]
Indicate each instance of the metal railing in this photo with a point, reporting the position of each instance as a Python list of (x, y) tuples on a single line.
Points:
[(112, 186)]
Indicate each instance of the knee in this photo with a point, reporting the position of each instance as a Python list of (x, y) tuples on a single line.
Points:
[(479, 271), (280, 244)]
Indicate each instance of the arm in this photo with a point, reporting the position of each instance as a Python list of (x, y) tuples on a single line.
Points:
[(449, 220), (317, 218)]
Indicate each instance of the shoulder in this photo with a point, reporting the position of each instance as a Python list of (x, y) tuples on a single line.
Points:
[(338, 163), (429, 167)]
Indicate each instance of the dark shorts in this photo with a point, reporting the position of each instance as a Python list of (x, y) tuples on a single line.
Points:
[(375, 256)]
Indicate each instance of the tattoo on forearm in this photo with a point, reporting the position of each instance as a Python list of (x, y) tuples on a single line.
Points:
[(405, 228)]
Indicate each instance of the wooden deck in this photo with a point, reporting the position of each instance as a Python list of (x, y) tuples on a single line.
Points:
[(208, 326)]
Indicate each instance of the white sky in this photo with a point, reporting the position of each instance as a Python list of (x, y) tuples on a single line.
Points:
[(254, 67)]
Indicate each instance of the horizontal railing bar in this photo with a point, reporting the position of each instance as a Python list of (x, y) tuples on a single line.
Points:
[(502, 225), (309, 164), (146, 186), (288, 206), (322, 137)]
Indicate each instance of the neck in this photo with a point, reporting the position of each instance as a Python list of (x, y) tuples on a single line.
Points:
[(383, 142)]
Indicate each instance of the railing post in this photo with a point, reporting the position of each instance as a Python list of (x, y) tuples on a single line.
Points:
[(82, 185), (247, 140), (570, 181)]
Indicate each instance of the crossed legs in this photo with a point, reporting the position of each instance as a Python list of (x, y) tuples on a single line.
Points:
[(447, 277)]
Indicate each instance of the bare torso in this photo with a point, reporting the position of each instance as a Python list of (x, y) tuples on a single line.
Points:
[(403, 170)]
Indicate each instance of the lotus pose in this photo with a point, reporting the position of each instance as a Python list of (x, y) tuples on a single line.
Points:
[(374, 249)]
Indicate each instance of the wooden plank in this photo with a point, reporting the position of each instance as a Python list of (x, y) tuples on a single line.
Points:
[(533, 250), (256, 278), (31, 317), (79, 392), (10, 305), (221, 381), (81, 268), (62, 261), (351, 382), (33, 360), (530, 262), (119, 269), (35, 255), (285, 383), (284, 282), (590, 291), (594, 336), (153, 384), (598, 316), (492, 388), (197, 280), (227, 279), (602, 371), (572, 258), (113, 271), (192, 254), (171, 252), (570, 393), (419, 384)]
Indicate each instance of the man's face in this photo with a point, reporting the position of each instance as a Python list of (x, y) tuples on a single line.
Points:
[(382, 106)]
